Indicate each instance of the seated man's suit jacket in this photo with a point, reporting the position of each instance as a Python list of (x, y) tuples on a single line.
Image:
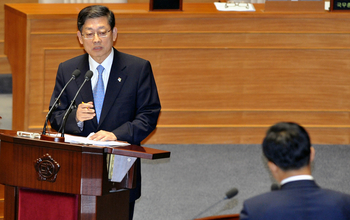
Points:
[(303, 200), (131, 105)]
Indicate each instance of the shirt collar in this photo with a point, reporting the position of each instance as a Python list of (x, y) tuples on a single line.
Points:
[(107, 63), (296, 178)]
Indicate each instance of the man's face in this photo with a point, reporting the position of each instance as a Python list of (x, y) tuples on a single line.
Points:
[(97, 38)]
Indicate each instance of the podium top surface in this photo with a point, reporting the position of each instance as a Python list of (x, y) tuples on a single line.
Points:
[(130, 150)]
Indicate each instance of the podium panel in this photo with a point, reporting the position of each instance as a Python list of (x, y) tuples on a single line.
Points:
[(35, 204)]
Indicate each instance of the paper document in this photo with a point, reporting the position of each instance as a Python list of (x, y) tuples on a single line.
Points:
[(327, 5), (84, 140), (227, 6), (119, 166)]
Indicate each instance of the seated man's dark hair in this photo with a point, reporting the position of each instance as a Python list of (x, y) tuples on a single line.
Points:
[(287, 145)]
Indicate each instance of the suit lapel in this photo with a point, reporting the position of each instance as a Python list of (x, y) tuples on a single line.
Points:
[(115, 82)]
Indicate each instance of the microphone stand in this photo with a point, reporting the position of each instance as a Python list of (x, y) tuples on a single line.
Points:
[(55, 105), (72, 105), (69, 110), (230, 194), (53, 108), (208, 209)]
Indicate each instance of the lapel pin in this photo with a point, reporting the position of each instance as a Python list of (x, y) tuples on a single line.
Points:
[(119, 79)]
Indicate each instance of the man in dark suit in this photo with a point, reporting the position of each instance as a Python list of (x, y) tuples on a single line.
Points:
[(121, 102), (289, 153)]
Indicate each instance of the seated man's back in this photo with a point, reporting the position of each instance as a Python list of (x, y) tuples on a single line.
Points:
[(289, 154), (298, 200)]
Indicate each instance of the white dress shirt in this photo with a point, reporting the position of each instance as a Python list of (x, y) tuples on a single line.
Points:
[(296, 178)]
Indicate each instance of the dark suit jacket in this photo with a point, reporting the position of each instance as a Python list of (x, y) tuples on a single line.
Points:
[(131, 105), (303, 200)]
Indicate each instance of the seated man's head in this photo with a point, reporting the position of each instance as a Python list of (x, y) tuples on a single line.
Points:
[(287, 147)]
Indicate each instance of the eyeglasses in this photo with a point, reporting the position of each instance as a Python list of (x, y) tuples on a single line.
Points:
[(101, 34)]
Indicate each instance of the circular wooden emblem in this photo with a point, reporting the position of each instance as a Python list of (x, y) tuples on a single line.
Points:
[(46, 168)]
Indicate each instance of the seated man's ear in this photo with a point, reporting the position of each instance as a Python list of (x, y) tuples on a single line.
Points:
[(276, 172), (312, 154), (273, 167)]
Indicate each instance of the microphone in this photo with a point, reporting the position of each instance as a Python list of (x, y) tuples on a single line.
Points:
[(229, 194), (75, 74), (275, 187), (88, 76)]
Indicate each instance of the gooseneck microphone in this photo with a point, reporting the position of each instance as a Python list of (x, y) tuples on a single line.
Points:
[(88, 76), (75, 74), (229, 194)]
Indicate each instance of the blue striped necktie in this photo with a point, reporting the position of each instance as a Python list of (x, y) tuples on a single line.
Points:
[(99, 93)]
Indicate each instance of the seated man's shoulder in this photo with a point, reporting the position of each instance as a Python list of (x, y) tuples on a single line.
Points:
[(263, 198), (336, 195)]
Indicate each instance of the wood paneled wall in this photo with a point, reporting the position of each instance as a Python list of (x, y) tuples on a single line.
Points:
[(2, 13), (4, 64), (223, 77)]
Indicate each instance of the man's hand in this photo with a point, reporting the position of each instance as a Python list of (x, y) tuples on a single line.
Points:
[(85, 111), (103, 136)]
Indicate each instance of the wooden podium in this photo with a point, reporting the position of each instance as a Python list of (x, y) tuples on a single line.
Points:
[(77, 172)]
